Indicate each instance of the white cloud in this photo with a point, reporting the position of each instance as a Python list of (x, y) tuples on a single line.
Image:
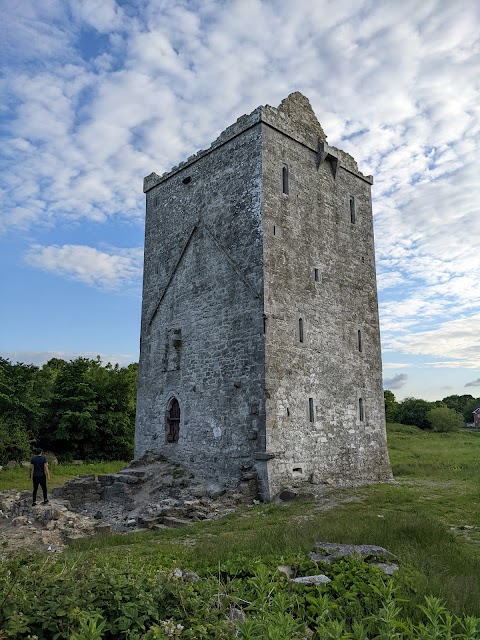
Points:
[(395, 365), (395, 84), (114, 269), (457, 340), (103, 15)]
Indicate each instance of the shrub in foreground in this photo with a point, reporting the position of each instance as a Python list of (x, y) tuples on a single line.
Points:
[(55, 599)]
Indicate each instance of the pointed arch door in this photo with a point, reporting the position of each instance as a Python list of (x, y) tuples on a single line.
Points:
[(173, 421)]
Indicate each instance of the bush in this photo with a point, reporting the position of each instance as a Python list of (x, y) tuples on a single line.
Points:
[(444, 420), (54, 600), (14, 441)]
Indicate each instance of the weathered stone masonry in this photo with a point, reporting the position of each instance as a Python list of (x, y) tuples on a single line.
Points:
[(260, 344)]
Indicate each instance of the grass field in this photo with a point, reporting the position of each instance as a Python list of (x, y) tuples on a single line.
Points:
[(437, 487), (420, 518), (18, 478)]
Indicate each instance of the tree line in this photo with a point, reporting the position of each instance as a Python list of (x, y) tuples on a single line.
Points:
[(78, 409), (81, 409), (448, 414)]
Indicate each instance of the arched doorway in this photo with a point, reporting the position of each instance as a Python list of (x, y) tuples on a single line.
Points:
[(173, 421)]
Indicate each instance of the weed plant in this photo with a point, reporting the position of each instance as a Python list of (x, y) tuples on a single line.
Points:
[(54, 599)]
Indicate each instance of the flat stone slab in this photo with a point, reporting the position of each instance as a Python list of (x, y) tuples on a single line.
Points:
[(333, 551), (319, 579), (170, 521)]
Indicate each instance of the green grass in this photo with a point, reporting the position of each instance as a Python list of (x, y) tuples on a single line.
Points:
[(18, 478), (437, 487)]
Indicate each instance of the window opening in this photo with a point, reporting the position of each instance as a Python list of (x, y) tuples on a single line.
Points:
[(274, 229), (285, 180), (310, 410), (264, 323), (300, 330), (317, 275), (363, 259), (360, 345), (352, 210), (187, 180), (173, 421), (288, 412), (156, 269), (361, 413), (155, 201)]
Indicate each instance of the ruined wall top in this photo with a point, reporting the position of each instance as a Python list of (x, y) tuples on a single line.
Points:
[(294, 117)]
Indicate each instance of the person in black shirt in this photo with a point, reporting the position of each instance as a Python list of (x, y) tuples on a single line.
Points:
[(39, 472)]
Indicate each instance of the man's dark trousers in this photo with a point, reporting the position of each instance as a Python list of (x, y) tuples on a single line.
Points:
[(42, 481)]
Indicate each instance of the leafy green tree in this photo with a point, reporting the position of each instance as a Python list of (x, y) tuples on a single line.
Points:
[(414, 411), (18, 399), (391, 406), (91, 412), (116, 388), (15, 442), (70, 426), (444, 419), (463, 404)]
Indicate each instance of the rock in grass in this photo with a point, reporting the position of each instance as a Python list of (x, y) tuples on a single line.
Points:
[(320, 579), (388, 568), (236, 615)]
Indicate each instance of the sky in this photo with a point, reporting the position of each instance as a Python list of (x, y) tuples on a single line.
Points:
[(97, 94)]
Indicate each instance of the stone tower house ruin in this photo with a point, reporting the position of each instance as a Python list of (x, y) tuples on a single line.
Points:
[(260, 344)]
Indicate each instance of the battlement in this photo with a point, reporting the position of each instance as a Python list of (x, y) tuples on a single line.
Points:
[(294, 117)]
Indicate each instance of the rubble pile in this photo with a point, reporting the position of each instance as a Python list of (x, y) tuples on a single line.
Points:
[(150, 493), (153, 492), (43, 527)]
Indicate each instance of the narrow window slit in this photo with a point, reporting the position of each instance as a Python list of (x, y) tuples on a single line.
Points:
[(300, 330), (361, 413), (310, 410), (360, 343), (317, 275), (352, 210), (285, 180)]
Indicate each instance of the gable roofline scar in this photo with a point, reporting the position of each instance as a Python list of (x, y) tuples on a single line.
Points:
[(172, 273), (230, 260)]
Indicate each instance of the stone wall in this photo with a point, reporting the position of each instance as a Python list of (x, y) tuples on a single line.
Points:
[(319, 273), (202, 322)]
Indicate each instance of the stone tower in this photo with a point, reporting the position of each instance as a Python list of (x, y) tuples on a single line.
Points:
[(260, 344)]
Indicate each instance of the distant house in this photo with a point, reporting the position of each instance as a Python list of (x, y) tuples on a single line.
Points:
[(476, 416)]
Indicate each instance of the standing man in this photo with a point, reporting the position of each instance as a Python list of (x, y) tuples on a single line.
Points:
[(39, 471)]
